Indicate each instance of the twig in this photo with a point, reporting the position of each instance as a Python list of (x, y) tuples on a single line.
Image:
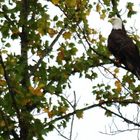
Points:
[(72, 121), (120, 131), (117, 79), (120, 116), (61, 134)]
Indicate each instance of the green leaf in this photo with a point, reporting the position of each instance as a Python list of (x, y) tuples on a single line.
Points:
[(79, 114), (108, 113), (107, 2)]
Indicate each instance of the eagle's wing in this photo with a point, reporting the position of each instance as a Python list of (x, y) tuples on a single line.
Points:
[(123, 48)]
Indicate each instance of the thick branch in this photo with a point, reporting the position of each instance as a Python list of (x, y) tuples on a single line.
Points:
[(99, 105), (24, 43), (23, 124)]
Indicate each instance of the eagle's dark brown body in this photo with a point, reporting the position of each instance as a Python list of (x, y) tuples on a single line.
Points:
[(123, 48)]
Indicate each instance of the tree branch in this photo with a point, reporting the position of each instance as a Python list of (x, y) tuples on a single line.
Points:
[(61, 134), (11, 92), (46, 51), (117, 79), (24, 42), (100, 104), (120, 131), (72, 121), (120, 116), (23, 124)]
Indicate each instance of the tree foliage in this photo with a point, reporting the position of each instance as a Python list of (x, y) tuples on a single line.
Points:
[(44, 43)]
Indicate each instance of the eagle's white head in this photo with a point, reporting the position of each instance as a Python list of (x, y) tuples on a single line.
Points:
[(116, 23)]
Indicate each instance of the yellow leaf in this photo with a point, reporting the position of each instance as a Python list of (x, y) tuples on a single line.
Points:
[(46, 110), (79, 4), (50, 113), (31, 89), (71, 3), (98, 7), (36, 92), (118, 86), (40, 53), (116, 70), (2, 82), (25, 101), (55, 2), (67, 35), (88, 12), (60, 55), (52, 32), (2, 123)]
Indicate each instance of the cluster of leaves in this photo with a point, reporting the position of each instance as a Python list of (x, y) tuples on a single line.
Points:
[(52, 48)]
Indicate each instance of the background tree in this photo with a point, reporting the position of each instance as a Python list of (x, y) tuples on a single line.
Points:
[(41, 49)]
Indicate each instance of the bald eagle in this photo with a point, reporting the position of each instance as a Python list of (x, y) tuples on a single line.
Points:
[(123, 48)]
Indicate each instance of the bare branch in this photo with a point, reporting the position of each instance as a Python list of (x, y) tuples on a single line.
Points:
[(72, 121), (120, 116), (61, 134), (119, 131)]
